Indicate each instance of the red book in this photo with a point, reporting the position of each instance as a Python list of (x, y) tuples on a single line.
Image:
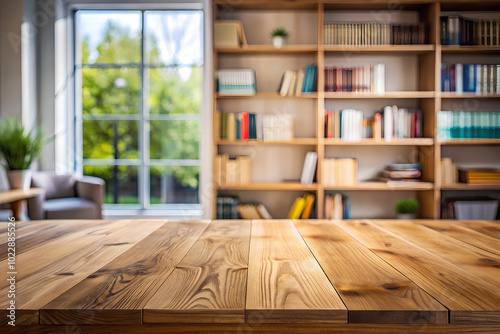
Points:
[(415, 133), (244, 126), (330, 123)]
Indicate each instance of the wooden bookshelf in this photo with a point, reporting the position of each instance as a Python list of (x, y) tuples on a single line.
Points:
[(421, 65)]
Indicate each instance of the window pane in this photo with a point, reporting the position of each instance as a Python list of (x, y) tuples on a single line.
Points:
[(109, 36), (174, 184), (110, 140), (174, 37), (175, 139), (111, 91), (121, 182), (175, 90)]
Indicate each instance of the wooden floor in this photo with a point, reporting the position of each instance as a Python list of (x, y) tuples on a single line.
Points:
[(373, 276)]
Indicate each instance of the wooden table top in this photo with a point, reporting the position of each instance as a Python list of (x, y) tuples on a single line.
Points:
[(19, 194), (264, 275)]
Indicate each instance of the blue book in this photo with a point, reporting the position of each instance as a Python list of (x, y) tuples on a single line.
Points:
[(305, 86), (252, 126), (238, 126)]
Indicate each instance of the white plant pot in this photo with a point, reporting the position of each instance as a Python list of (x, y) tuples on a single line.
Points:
[(19, 179), (406, 216), (278, 42)]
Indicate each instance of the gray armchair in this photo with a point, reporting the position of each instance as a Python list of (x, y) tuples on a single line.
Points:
[(66, 197)]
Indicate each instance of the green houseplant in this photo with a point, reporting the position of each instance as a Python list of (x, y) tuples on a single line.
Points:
[(407, 208), (19, 148), (279, 36)]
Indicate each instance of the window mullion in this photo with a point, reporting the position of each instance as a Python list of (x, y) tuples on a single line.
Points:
[(144, 192)]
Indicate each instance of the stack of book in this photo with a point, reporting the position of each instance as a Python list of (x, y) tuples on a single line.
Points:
[(253, 211), (246, 126), (339, 172), (391, 122), (456, 30), (337, 206), (479, 79), (374, 33), (399, 173), (226, 207), (360, 79), (449, 174), (303, 207), (479, 175), (470, 208), (299, 82), (238, 81), (468, 124), (229, 171), (309, 169)]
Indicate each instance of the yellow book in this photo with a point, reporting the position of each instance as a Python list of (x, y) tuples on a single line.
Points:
[(307, 211), (231, 127), (297, 208), (217, 120)]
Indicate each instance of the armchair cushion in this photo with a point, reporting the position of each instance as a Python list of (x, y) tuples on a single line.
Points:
[(56, 186), (71, 208)]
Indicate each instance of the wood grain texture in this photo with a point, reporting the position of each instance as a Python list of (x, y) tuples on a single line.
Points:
[(465, 234), (10, 196), (42, 286), (476, 261), (209, 284), (117, 292), (461, 292), (488, 228), (285, 283), (368, 285)]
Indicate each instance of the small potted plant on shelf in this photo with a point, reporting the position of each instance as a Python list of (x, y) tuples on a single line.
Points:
[(279, 36), (407, 208), (19, 148)]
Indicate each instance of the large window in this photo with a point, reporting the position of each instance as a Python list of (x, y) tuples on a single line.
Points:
[(138, 100)]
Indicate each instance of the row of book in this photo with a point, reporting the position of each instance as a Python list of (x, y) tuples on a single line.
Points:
[(339, 172), (359, 79), (374, 33), (456, 30), (405, 172), (337, 206), (229, 207), (246, 126), (449, 173), (468, 124), (236, 170), (470, 208), (470, 78), (299, 82), (237, 81), (479, 175), (253, 211), (391, 122), (303, 207)]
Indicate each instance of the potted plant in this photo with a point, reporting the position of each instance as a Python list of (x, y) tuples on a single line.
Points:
[(19, 148), (279, 36), (407, 208)]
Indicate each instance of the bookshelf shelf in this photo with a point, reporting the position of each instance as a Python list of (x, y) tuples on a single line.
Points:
[(469, 186), (387, 95), (451, 95), (470, 142), (269, 49), (270, 186), (267, 95), (470, 49), (377, 186), (416, 48), (374, 142), (296, 141)]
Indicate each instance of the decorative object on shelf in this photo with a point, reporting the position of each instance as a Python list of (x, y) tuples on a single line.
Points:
[(279, 37), (236, 81), (229, 34), (19, 148), (407, 208)]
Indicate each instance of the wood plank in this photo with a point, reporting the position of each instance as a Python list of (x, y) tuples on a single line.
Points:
[(465, 234), (383, 186), (42, 286), (14, 195), (117, 292), (209, 285), (292, 186), (285, 283), (488, 228), (62, 240), (382, 142), (372, 290), (469, 298), (470, 258)]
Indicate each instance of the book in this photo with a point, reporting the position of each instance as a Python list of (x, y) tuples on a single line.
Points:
[(306, 214), (297, 208), (237, 81), (236, 170), (309, 168), (229, 34)]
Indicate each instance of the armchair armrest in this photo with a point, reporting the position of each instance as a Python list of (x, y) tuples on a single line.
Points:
[(35, 207), (91, 188)]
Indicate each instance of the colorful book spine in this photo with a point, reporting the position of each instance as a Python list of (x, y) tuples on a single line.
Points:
[(468, 124)]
